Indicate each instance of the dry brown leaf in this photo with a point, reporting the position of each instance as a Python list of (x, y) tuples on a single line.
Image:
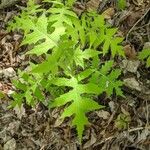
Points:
[(79, 8), (108, 13), (142, 136), (19, 111), (124, 111), (91, 141), (93, 5), (103, 114), (133, 17), (112, 106), (138, 2), (130, 51), (58, 122)]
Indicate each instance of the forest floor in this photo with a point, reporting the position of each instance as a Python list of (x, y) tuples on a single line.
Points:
[(40, 129)]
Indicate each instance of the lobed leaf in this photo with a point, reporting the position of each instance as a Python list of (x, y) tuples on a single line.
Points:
[(80, 105)]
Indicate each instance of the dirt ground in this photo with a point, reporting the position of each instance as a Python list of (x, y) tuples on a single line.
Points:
[(41, 129)]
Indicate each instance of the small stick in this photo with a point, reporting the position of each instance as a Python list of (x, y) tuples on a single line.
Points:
[(137, 23), (139, 128)]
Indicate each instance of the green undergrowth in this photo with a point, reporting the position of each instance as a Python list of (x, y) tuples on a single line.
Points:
[(145, 55), (121, 4), (72, 72)]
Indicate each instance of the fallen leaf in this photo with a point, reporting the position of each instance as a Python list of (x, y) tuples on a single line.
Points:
[(108, 13), (79, 8), (2, 95), (91, 141), (11, 144), (93, 5), (130, 51), (58, 122), (20, 112), (138, 2), (132, 83), (142, 136), (124, 111), (133, 17), (103, 114), (112, 106)]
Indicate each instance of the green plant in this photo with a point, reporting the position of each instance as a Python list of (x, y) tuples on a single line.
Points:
[(71, 72), (145, 54), (2, 95), (121, 4), (122, 121)]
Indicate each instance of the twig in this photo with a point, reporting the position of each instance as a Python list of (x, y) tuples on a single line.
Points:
[(139, 128), (147, 113), (115, 136), (111, 117), (137, 23), (142, 26)]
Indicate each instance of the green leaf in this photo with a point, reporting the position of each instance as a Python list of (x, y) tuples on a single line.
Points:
[(39, 94), (40, 33), (79, 108), (92, 37), (121, 4), (60, 16), (116, 48), (70, 2), (29, 99), (80, 105), (106, 67), (77, 31), (84, 74), (145, 54), (2, 95), (113, 83), (61, 57), (113, 43), (18, 99), (108, 81), (148, 62), (80, 55), (54, 2), (19, 85)]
